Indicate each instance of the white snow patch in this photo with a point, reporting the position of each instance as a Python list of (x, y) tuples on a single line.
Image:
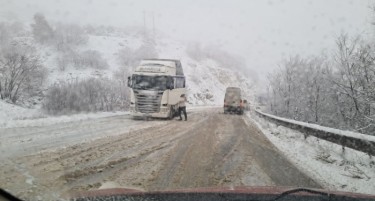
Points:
[(13, 112), (15, 116)]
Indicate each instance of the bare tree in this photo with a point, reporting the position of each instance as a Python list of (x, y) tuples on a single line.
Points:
[(20, 68), (355, 81), (42, 31)]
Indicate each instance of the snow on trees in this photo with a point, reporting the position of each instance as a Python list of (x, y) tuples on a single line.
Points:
[(337, 92), (21, 71)]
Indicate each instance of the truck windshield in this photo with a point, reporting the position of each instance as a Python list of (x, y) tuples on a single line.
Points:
[(157, 83)]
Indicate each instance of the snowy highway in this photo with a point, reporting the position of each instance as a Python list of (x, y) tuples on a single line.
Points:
[(210, 149), (24, 140)]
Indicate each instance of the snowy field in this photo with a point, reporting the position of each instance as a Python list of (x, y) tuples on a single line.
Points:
[(327, 163)]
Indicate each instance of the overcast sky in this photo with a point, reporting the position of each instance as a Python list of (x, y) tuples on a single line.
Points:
[(262, 31)]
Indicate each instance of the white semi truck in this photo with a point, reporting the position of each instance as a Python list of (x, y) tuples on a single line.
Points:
[(156, 87)]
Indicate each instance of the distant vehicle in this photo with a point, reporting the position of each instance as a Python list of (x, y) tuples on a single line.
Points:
[(156, 87), (232, 101)]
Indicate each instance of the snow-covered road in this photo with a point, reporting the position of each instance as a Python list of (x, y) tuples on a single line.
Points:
[(210, 149), (20, 141)]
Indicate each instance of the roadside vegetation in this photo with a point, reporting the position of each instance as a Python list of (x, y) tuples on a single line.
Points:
[(336, 90), (86, 96)]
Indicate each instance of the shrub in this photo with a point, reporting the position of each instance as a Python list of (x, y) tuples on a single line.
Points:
[(86, 96)]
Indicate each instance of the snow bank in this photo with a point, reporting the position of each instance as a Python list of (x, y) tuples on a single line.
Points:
[(14, 116), (12, 112), (323, 161)]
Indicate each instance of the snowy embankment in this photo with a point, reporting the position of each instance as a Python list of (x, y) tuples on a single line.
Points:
[(325, 162), (15, 116), (11, 112)]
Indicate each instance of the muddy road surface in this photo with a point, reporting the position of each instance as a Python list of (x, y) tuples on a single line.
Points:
[(210, 149)]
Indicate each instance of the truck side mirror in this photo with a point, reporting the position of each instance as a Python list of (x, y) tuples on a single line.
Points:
[(129, 82), (170, 84)]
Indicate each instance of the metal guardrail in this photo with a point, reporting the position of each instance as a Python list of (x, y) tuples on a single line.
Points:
[(363, 145)]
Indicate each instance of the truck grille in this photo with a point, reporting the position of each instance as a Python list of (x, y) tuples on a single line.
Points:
[(148, 103)]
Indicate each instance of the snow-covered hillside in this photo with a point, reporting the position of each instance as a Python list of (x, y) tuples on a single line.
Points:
[(206, 79), (108, 46)]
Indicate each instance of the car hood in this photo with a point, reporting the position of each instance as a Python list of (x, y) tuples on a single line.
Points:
[(258, 190)]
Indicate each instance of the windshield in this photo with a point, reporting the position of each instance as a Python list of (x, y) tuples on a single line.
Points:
[(158, 83), (187, 96)]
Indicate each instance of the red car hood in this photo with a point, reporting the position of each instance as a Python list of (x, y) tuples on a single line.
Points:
[(259, 190)]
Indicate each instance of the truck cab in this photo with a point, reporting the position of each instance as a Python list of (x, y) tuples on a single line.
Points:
[(156, 86)]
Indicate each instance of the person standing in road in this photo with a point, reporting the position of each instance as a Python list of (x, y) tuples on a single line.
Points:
[(182, 106)]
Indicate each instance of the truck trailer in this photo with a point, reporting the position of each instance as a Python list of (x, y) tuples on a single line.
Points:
[(233, 102)]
